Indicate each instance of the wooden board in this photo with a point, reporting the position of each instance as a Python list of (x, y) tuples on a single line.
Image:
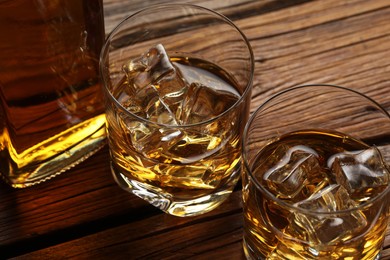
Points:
[(83, 214)]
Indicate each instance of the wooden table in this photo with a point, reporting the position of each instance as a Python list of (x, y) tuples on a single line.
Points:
[(83, 214)]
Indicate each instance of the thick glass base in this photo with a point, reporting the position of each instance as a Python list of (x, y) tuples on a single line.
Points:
[(252, 254), (177, 205)]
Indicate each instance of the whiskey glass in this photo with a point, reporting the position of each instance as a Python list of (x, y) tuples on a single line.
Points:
[(316, 175), (177, 82)]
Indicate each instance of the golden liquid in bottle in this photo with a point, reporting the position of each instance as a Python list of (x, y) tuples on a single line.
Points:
[(51, 103)]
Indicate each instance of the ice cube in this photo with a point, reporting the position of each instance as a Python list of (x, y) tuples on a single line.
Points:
[(331, 198), (156, 90), (202, 103), (148, 68), (327, 228), (152, 142), (293, 173), (172, 89), (155, 86), (363, 173)]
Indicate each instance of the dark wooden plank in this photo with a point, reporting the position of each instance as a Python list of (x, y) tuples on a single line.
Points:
[(80, 201), (335, 42), (116, 10), (157, 236), (217, 234)]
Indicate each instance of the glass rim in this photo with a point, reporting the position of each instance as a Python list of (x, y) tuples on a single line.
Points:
[(105, 50), (285, 204)]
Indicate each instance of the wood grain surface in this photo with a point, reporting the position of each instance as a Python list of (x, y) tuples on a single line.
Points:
[(83, 214)]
